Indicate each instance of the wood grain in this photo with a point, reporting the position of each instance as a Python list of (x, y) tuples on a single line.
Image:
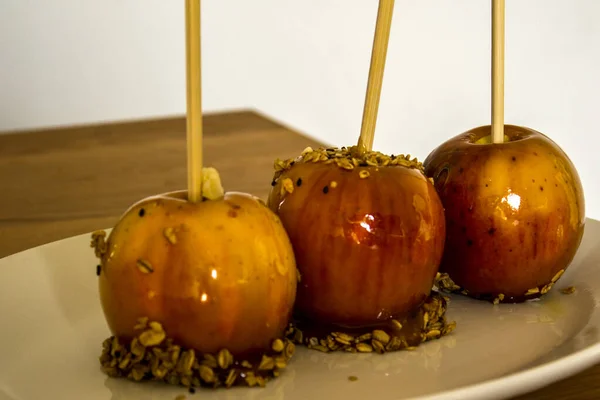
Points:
[(62, 182)]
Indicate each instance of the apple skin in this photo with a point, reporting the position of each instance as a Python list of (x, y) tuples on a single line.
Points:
[(229, 281), (367, 249), (515, 211)]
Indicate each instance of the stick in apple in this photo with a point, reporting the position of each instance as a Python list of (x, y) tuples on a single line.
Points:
[(497, 71), (378, 55), (194, 100)]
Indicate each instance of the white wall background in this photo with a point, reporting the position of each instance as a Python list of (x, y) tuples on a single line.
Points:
[(305, 63)]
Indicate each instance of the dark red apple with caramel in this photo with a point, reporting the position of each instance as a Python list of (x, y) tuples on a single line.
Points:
[(514, 212), (367, 231), (216, 274)]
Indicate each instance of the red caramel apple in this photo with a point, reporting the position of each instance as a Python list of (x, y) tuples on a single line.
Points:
[(367, 231), (514, 212), (216, 274)]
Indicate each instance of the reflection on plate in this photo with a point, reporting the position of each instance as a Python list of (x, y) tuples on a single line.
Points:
[(53, 327)]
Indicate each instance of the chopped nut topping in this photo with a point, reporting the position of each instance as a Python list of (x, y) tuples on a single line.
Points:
[(498, 299), (346, 158), (558, 275), (380, 341), (211, 184), (153, 356), (170, 235), (444, 283), (287, 186), (397, 324), (144, 266), (99, 244), (568, 290)]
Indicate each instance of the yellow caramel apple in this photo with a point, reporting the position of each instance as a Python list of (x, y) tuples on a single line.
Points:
[(216, 274), (515, 212)]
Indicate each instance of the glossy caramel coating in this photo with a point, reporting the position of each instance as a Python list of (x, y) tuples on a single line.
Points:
[(368, 248), (224, 274), (514, 211)]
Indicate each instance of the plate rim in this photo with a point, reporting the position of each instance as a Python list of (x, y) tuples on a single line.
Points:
[(525, 381)]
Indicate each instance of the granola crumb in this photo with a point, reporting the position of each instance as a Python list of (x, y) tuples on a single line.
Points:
[(568, 290)]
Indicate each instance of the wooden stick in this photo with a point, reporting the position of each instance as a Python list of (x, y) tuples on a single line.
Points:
[(194, 100), (497, 71), (378, 55)]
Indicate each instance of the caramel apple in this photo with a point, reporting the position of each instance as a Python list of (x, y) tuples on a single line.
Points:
[(368, 234), (514, 212), (216, 277)]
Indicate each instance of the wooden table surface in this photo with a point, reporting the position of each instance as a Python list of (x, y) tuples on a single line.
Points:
[(62, 182)]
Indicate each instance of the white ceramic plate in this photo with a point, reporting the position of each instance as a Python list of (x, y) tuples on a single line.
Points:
[(52, 328)]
